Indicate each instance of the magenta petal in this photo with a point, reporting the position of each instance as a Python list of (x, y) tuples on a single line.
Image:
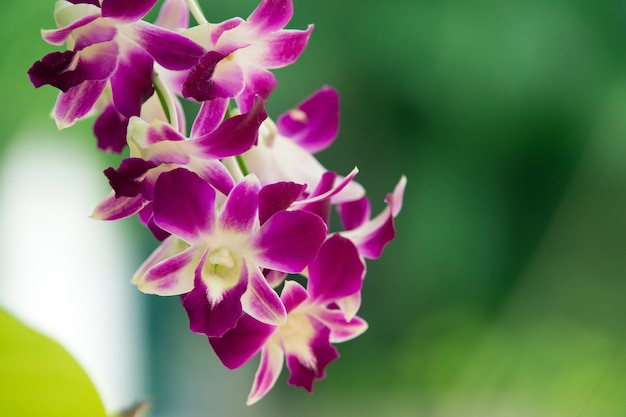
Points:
[(209, 318), (115, 208), (184, 204), (213, 77), (261, 301), (354, 213), (341, 330), (371, 245), (289, 240), (170, 49), (258, 82), (293, 295), (271, 15), (269, 369), (171, 276), (209, 117), (314, 123), (126, 10), (238, 345), (282, 48), (132, 81), (336, 272), (240, 210), (276, 197), (235, 135), (110, 130), (304, 374), (77, 102), (59, 36), (216, 174)]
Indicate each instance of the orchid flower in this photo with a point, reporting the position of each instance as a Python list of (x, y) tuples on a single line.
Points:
[(238, 54), (111, 54), (217, 266), (312, 324)]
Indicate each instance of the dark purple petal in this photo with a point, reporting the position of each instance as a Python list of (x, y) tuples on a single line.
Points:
[(131, 82), (241, 207), (211, 318), (77, 102), (184, 204), (126, 10), (94, 2), (115, 208), (281, 48), (258, 82), (271, 15), (110, 130), (277, 197), (304, 374), (289, 240), (261, 301), (170, 49), (314, 123), (209, 117), (337, 271), (126, 180), (235, 135), (238, 345), (146, 217), (213, 77), (354, 213)]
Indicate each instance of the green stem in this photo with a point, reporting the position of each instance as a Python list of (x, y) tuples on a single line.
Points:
[(196, 12), (166, 100), (242, 165)]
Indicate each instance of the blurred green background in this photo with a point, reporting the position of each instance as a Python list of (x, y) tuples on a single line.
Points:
[(503, 293)]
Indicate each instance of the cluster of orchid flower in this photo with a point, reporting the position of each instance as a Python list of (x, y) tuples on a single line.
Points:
[(240, 204)]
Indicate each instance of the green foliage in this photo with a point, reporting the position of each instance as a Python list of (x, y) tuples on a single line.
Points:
[(40, 378)]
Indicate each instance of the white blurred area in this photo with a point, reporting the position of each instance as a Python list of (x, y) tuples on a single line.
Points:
[(65, 274)]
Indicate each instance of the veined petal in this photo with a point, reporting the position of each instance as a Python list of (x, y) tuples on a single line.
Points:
[(271, 15), (115, 208), (126, 10), (289, 240), (268, 371), (306, 367), (337, 271), (314, 124), (261, 302), (77, 102), (209, 116), (234, 135), (172, 276), (170, 49), (214, 311), (238, 345), (276, 197), (240, 210), (131, 82), (341, 330), (174, 15), (184, 204), (279, 49)]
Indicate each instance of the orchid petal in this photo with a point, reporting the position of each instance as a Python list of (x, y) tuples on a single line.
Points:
[(126, 10), (184, 204), (293, 295), (349, 305), (116, 208), (168, 248), (77, 102), (59, 36), (174, 15), (213, 77), (132, 81), (209, 117), (279, 49), (261, 302), (266, 375), (239, 213), (354, 213), (238, 345), (172, 276), (271, 15), (170, 49), (276, 197), (337, 271), (314, 124), (341, 330), (258, 82), (110, 130), (289, 240)]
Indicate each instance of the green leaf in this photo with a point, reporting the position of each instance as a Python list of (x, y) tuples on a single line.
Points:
[(39, 378)]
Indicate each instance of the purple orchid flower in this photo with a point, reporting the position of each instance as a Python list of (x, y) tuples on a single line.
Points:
[(238, 54), (215, 254), (156, 148), (111, 53), (285, 151), (312, 324)]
